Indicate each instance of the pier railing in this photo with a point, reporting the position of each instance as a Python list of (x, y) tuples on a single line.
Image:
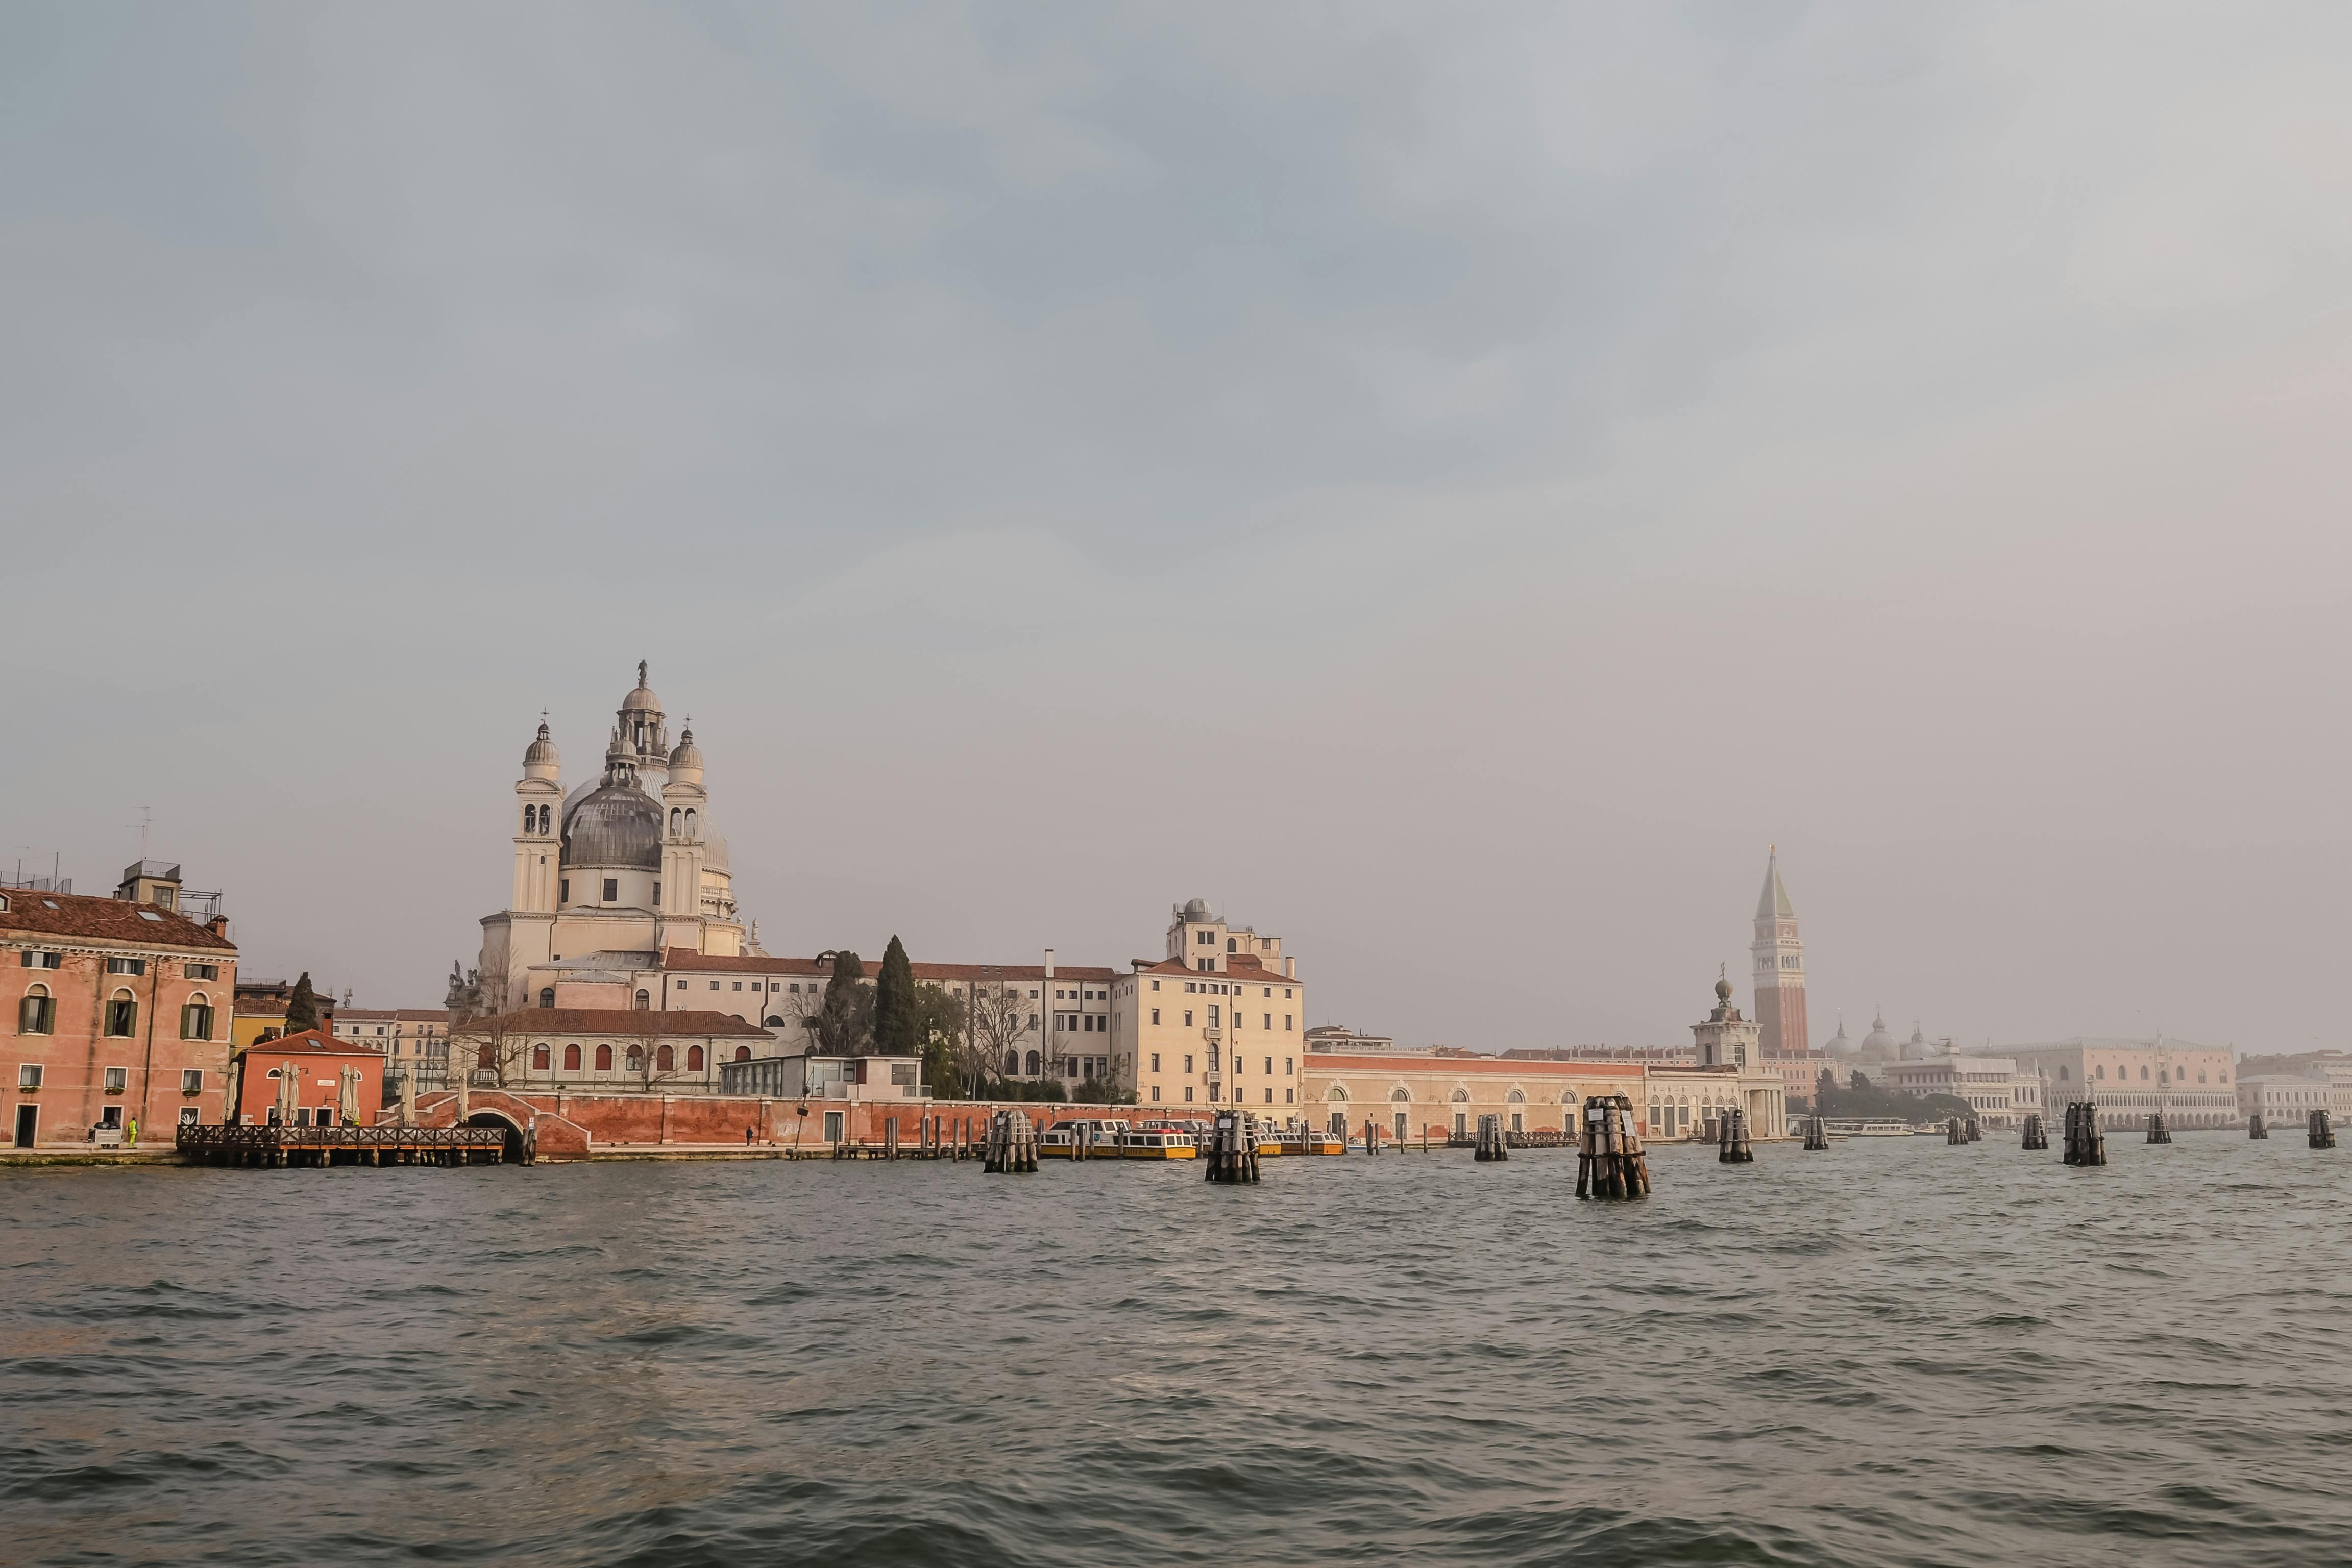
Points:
[(275, 1144)]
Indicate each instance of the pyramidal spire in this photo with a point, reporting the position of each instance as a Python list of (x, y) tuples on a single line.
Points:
[(1774, 903)]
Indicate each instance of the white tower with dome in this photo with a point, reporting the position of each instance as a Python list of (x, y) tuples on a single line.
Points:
[(628, 866)]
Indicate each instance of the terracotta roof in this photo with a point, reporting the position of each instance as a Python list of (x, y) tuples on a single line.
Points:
[(315, 1042), (615, 1021), (1400, 1061), (107, 920), (393, 1016), (681, 961)]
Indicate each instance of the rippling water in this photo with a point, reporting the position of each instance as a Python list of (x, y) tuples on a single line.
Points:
[(1895, 1352)]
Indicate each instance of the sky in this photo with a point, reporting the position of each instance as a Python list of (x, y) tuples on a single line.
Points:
[(1449, 485)]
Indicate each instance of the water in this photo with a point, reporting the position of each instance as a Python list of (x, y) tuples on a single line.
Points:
[(1895, 1352)]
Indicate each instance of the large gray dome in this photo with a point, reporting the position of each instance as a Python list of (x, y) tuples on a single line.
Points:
[(617, 824)]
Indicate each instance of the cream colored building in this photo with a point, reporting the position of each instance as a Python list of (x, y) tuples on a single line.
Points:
[(2000, 1092), (1409, 1095), (2127, 1079), (627, 866), (1222, 1020)]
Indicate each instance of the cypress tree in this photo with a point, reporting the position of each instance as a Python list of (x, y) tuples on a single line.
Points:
[(302, 1008), (893, 1003)]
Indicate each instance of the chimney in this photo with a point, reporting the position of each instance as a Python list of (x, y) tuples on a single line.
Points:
[(1290, 969), (1049, 963), (218, 926)]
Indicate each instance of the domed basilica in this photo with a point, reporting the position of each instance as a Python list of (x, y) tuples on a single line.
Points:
[(626, 867)]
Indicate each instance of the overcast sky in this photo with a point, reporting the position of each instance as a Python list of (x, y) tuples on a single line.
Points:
[(1448, 484)]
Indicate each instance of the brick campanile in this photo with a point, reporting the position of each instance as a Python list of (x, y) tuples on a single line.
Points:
[(1779, 969)]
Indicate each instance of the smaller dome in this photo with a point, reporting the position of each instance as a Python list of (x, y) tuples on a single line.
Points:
[(542, 751), (687, 754), (1196, 909), (641, 699), (1879, 1040), (1839, 1044), (1723, 990)]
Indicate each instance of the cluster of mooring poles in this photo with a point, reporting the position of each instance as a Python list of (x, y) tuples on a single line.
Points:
[(1011, 1145), (1608, 1159), (2158, 1132), (1233, 1147), (2036, 1135), (2255, 1127), (1732, 1147), (2085, 1145), (2323, 1136), (1490, 1138), (1371, 1136), (1817, 1133), (1952, 1133)]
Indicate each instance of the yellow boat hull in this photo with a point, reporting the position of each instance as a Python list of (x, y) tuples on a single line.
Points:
[(1159, 1153)]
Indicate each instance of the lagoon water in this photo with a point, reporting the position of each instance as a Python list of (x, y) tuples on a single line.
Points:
[(1893, 1352)]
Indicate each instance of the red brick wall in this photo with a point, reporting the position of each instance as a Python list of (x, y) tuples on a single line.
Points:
[(576, 1123)]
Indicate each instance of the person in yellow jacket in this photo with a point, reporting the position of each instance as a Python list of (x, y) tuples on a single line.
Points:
[(131, 1138)]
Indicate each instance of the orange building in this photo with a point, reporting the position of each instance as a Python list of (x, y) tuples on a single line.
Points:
[(324, 1082), (117, 1010)]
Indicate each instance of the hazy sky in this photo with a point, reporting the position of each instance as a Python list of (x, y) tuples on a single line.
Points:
[(1448, 484)]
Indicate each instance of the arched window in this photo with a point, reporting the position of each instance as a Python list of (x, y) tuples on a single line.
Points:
[(540, 1058), (2143, 1073), (635, 1061), (603, 1058), (1337, 1095), (572, 1058), (689, 822), (38, 1013), (674, 818), (694, 1059), (743, 1053), (196, 1018), (122, 1013), (483, 1059), (1400, 1097), (2062, 1073), (1460, 1097), (644, 1002), (771, 1022), (1036, 1063), (1516, 1097), (1012, 1064), (665, 1059), (1230, 946), (547, 996)]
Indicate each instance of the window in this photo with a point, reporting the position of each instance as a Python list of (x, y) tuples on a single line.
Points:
[(1155, 985), (739, 985), (1155, 1094), (1188, 1062), (547, 996), (681, 986), (187, 1116), (743, 1053), (1289, 1096), (122, 1015), (38, 1013), (658, 892), (1269, 1097), (603, 1058), (563, 889), (201, 971), (196, 1020), (542, 1059), (1155, 1061), (612, 890), (1036, 1063), (1188, 1091), (1033, 1020), (126, 966), (694, 1059), (642, 1003), (1269, 1066), (1285, 1020), (572, 1058), (192, 1081), (28, 1075), (1270, 1020), (1289, 1069), (40, 960), (117, 1080), (714, 985)]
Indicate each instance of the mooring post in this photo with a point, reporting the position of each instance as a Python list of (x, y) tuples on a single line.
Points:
[(2322, 1135), (2255, 1127)]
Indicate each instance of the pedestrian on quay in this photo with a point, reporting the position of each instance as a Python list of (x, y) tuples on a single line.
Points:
[(747, 1138), (131, 1139)]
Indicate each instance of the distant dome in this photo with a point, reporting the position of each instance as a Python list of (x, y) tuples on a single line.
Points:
[(1196, 909), (1879, 1040), (642, 700), (687, 754), (542, 751), (617, 824), (1916, 1049), (1840, 1045), (1723, 990)]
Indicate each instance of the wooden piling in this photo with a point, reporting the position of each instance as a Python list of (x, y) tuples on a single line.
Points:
[(1232, 1148), (2255, 1127), (1732, 1146), (2321, 1134), (2036, 1137), (2085, 1143), (1610, 1161), (2158, 1132), (1490, 1140), (1817, 1134)]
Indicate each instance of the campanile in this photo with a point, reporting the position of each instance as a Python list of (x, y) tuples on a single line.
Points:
[(1780, 967)]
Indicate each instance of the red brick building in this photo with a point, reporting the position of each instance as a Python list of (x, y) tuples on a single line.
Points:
[(322, 1081), (117, 1010)]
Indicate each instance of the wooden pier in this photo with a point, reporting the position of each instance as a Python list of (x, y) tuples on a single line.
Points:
[(276, 1146)]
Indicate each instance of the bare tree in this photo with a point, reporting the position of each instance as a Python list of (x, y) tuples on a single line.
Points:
[(652, 1056), (997, 1016), (493, 1050), (839, 1021)]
